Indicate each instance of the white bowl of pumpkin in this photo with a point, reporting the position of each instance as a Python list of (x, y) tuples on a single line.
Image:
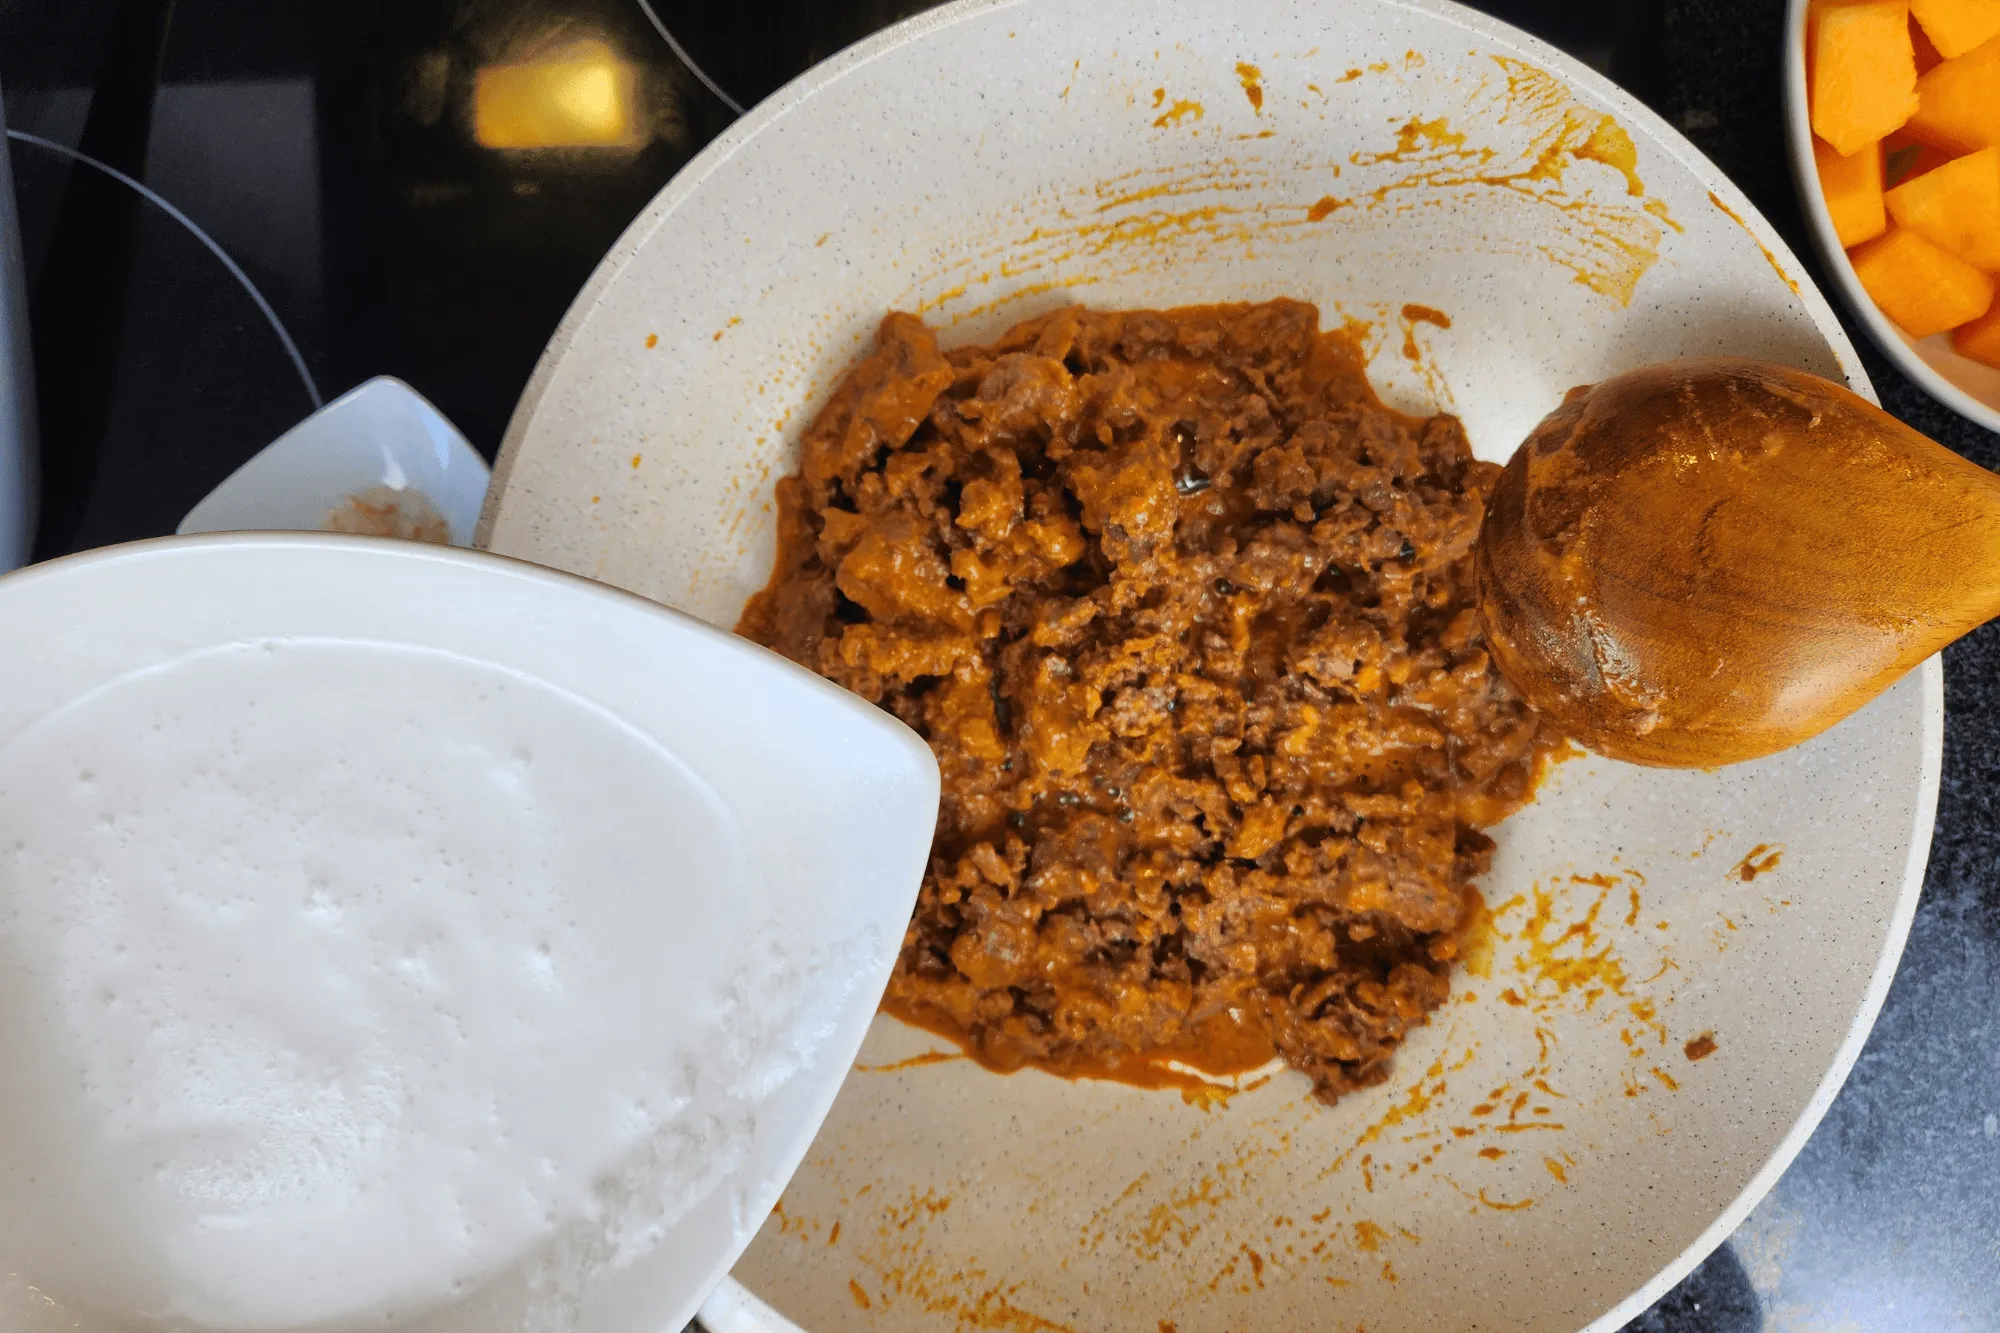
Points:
[(1894, 127)]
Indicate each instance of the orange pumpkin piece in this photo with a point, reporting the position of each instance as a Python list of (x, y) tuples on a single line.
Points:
[(1919, 286), (1958, 103), (1956, 207), (1864, 72), (1956, 26), (1980, 339), (1852, 187)]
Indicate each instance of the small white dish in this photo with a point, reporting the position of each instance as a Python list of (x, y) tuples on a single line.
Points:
[(378, 434), (1965, 386), (736, 982)]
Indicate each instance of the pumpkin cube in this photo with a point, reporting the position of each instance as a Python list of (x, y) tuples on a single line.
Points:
[(1980, 339), (1956, 207), (1852, 187), (1919, 286), (1958, 103), (1864, 72), (1956, 26)]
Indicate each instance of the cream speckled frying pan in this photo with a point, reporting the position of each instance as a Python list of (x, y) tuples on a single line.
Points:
[(1683, 965)]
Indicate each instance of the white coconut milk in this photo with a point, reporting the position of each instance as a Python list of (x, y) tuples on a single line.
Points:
[(323, 1000)]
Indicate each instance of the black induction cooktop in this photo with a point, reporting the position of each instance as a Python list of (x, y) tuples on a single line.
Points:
[(325, 147)]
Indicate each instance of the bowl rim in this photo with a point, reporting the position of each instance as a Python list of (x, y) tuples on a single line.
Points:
[(1631, 112), (1826, 241)]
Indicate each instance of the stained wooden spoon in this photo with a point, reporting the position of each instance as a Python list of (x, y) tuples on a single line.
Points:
[(1702, 562)]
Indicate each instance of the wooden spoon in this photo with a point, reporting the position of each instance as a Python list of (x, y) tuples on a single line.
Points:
[(1702, 562)]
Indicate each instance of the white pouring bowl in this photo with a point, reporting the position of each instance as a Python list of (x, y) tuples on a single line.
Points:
[(1547, 1155), (456, 877)]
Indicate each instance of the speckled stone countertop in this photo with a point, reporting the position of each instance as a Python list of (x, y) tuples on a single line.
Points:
[(1890, 1217)]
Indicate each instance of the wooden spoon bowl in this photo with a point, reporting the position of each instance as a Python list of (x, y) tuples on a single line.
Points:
[(1702, 562)]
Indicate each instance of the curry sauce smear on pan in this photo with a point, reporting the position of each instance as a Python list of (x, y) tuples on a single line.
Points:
[(1186, 615)]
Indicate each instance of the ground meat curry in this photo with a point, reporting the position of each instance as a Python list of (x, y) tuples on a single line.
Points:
[(1187, 617)]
